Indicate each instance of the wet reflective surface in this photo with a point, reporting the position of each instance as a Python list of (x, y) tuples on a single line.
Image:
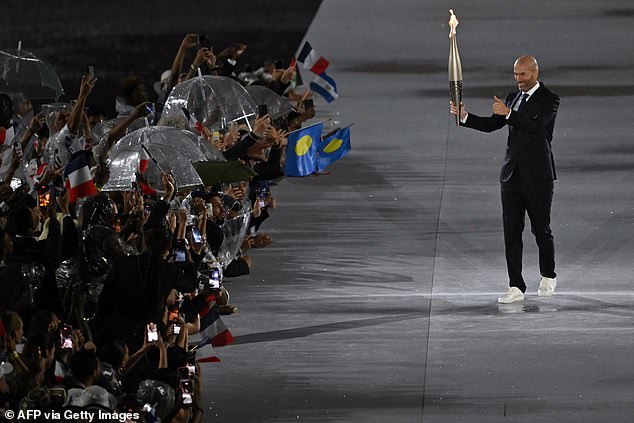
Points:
[(377, 300)]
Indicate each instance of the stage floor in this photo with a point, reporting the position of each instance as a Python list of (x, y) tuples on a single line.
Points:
[(377, 301)]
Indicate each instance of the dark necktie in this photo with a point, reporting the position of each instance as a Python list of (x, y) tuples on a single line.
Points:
[(520, 103)]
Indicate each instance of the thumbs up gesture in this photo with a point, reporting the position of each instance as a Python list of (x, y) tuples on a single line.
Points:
[(499, 108)]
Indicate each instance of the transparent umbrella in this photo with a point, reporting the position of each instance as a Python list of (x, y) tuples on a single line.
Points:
[(170, 150), (22, 72), (215, 101), (101, 130), (277, 105), (233, 230)]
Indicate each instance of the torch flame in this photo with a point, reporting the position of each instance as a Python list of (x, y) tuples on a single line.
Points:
[(453, 23)]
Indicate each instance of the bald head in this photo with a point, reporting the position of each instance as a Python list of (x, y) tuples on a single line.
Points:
[(525, 72), (528, 61)]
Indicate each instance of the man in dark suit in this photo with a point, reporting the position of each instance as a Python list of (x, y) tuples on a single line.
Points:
[(527, 174)]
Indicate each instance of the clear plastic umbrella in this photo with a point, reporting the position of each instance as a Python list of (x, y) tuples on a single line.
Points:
[(233, 231), (215, 101), (101, 130), (22, 72), (167, 149), (277, 105)]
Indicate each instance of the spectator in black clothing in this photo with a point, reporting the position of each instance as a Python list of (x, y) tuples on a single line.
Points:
[(41, 258), (137, 287)]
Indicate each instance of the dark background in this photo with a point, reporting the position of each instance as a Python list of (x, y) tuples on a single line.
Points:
[(120, 38)]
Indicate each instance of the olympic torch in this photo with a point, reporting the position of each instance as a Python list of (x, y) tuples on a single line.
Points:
[(455, 67)]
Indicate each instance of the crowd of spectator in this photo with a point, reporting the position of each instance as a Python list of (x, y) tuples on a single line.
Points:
[(104, 298)]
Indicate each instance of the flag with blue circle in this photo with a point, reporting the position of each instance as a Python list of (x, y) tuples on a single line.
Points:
[(333, 148), (301, 151)]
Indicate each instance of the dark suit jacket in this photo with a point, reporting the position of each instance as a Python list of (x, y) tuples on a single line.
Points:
[(530, 135)]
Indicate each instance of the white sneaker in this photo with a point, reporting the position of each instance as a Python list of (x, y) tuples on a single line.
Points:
[(547, 287), (512, 295)]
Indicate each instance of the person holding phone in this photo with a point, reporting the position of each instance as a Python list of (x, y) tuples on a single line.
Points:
[(137, 287)]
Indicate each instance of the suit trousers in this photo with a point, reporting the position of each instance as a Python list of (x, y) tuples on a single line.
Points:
[(520, 196)]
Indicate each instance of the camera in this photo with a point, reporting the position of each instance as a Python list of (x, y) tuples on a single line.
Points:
[(66, 337)]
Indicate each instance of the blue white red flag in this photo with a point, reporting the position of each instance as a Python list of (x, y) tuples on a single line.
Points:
[(79, 181), (311, 60)]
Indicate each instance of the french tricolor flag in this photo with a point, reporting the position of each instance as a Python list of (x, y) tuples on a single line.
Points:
[(325, 86), (205, 352), (193, 122), (144, 161), (215, 329), (79, 181), (311, 60)]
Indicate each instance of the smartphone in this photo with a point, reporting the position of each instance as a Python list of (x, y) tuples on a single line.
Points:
[(210, 209), (152, 332), (279, 64), (263, 110), (179, 251), (90, 71), (203, 41), (179, 255), (262, 194), (66, 337), (308, 104), (191, 364), (184, 385), (186, 391), (214, 278), (173, 313), (44, 197), (196, 235), (177, 329)]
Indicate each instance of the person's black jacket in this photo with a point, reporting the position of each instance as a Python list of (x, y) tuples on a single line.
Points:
[(239, 150), (136, 289), (41, 259)]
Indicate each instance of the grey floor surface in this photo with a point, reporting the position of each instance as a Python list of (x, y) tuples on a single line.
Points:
[(377, 301)]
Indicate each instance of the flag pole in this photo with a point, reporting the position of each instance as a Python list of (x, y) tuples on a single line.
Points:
[(153, 159), (336, 130), (306, 127)]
